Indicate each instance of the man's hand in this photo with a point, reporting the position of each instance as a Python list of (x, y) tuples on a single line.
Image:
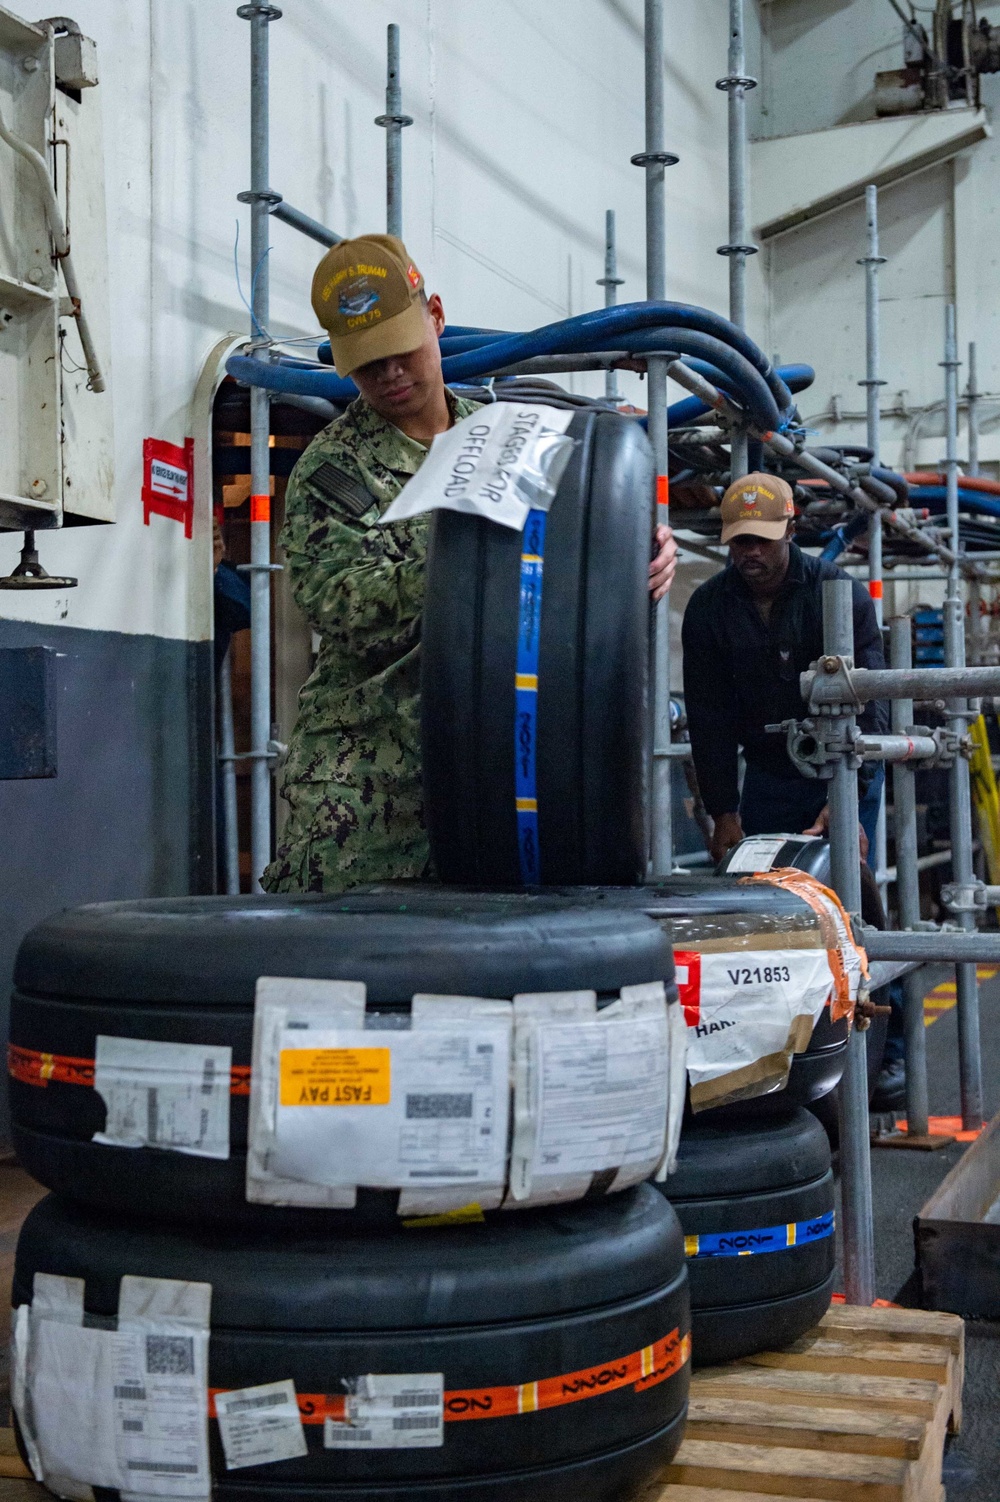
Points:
[(663, 566), (728, 832), (822, 826)]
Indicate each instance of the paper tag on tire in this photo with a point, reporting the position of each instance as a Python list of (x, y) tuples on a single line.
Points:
[(260, 1425), (500, 462), (173, 1096), (390, 1413), (425, 1107), (743, 1006)]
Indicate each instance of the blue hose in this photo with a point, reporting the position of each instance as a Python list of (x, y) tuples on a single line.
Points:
[(661, 325), (935, 498), (844, 534)]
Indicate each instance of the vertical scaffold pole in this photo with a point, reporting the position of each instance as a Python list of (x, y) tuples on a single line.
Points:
[(655, 160), (972, 392), (904, 800), (737, 85), (845, 866), (260, 199), (227, 759), (611, 281), (873, 383), (393, 122), (960, 800)]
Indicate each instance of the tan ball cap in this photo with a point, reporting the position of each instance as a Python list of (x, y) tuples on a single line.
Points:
[(366, 294), (757, 506)]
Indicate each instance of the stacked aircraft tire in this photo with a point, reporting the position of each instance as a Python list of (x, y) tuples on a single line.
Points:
[(534, 677), (756, 1203), (690, 908), (597, 1314)]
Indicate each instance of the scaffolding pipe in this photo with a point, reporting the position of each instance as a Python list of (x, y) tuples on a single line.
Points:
[(611, 281), (845, 870), (227, 759), (261, 199), (947, 945), (736, 85), (871, 261), (908, 888), (972, 397), (923, 684), (784, 448), (655, 159), (393, 122), (960, 799), (303, 223)]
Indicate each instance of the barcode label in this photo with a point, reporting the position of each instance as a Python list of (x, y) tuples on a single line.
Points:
[(132, 1426), (132, 1393), (170, 1355), (260, 1425), (172, 1096), (266, 1400), (439, 1107), (373, 1417), (162, 1467)]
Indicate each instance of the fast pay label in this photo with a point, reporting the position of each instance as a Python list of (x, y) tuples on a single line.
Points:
[(335, 1076), (426, 1107)]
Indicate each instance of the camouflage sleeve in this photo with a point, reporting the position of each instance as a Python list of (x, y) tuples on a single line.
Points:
[(355, 581)]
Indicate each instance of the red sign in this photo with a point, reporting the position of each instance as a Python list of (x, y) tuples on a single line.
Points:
[(168, 481)]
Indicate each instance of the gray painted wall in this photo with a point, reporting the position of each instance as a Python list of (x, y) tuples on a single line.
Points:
[(130, 812)]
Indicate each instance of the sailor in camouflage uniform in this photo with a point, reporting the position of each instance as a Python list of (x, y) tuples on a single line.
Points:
[(353, 777)]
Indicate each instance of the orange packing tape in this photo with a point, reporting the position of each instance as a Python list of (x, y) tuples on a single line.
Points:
[(820, 899), (33, 1067), (641, 1370)]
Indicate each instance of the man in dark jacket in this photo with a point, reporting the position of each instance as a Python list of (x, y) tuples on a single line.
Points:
[(748, 633)]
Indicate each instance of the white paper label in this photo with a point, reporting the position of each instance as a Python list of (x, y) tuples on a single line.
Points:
[(390, 1413), (124, 1408), (602, 1094), (499, 462), (756, 853), (166, 1095), (740, 1005), (391, 1109), (159, 1401), (258, 1425)]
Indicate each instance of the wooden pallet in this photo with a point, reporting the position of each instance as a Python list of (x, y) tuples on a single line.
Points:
[(855, 1411)]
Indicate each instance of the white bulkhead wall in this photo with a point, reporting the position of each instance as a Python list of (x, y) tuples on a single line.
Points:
[(525, 119), (939, 230)]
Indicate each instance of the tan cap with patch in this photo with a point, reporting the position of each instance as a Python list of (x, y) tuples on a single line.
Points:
[(366, 294), (759, 505)]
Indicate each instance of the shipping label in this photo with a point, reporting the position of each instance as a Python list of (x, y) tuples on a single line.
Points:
[(390, 1413), (173, 1096)]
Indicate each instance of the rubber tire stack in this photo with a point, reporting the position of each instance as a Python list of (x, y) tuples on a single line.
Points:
[(321, 1297), (756, 1203)]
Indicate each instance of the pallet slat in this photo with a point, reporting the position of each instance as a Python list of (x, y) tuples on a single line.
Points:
[(855, 1411)]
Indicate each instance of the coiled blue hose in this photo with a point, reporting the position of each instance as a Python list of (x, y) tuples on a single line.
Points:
[(935, 498), (675, 327)]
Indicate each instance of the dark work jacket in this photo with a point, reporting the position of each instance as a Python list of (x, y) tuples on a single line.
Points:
[(742, 673)]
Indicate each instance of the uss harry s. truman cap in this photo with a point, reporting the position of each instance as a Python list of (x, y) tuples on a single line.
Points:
[(366, 294)]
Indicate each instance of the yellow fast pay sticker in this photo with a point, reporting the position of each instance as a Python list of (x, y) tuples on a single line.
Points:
[(335, 1076)]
